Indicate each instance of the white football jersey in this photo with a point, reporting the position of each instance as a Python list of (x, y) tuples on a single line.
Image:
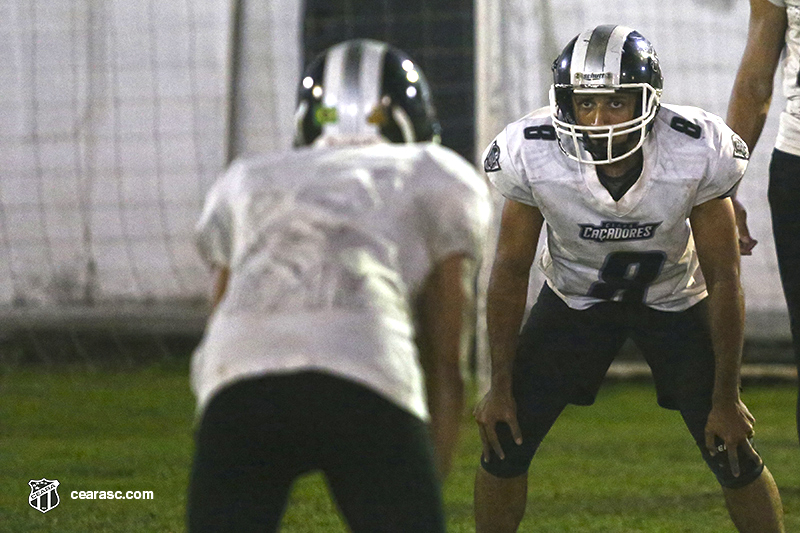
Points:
[(328, 248), (639, 248), (788, 139)]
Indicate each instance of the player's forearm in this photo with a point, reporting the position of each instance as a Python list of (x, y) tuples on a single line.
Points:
[(505, 307), (714, 231), (446, 404), (726, 317), (446, 318), (440, 355), (748, 108)]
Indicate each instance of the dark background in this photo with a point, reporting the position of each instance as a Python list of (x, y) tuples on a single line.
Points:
[(436, 34)]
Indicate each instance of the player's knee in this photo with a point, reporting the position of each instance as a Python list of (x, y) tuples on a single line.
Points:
[(517, 459), (749, 469), (504, 468)]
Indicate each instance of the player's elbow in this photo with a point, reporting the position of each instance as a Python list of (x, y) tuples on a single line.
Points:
[(509, 272), (754, 91)]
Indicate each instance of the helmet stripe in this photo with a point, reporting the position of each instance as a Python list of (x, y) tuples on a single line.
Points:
[(372, 59), (333, 80), (613, 52), (353, 76), (348, 112), (598, 52)]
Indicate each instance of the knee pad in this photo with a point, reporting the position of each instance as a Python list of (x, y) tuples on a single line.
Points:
[(749, 468)]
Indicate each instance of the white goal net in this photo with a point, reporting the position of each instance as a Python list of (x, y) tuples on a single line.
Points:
[(117, 116)]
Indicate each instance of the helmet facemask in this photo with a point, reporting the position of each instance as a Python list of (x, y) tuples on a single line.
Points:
[(601, 145)]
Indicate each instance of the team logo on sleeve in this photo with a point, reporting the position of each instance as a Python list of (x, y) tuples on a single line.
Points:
[(492, 161), (618, 231), (740, 150)]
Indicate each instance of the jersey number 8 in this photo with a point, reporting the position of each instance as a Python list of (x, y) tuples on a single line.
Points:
[(627, 275), (684, 126), (545, 133)]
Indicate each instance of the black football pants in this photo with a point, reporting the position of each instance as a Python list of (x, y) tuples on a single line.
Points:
[(257, 436)]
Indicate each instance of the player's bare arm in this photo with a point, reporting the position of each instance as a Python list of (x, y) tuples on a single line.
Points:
[(506, 298), (446, 318), (714, 231), (752, 90)]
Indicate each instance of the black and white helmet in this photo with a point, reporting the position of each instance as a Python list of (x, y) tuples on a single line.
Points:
[(605, 59), (362, 89)]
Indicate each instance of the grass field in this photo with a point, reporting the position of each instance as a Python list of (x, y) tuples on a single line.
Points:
[(623, 465)]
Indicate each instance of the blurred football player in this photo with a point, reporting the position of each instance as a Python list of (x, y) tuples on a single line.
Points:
[(634, 198), (345, 277), (774, 28)]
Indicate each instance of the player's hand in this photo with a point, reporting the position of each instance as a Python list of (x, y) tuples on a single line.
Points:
[(730, 428), (493, 408), (746, 242)]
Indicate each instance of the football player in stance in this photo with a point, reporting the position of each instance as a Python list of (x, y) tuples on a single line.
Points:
[(634, 197), (345, 274), (773, 29)]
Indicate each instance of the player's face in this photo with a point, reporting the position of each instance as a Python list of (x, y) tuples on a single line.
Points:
[(604, 109)]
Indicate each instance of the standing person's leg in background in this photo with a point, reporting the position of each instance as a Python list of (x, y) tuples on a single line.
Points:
[(784, 201)]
